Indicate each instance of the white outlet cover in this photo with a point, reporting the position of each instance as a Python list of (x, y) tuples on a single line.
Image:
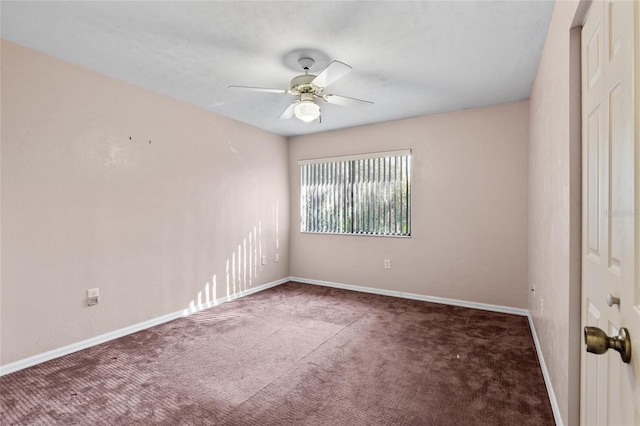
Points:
[(93, 292)]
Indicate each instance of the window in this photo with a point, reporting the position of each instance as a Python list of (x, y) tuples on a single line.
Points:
[(366, 194)]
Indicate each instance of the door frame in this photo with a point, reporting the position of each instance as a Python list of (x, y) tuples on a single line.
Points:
[(575, 193)]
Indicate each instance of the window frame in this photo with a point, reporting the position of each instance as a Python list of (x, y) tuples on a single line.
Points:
[(350, 206)]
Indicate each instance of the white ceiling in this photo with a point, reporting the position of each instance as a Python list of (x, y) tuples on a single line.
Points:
[(411, 58)]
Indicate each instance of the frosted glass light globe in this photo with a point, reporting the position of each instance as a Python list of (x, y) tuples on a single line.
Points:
[(307, 111)]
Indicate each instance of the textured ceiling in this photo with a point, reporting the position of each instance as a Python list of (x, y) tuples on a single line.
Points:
[(411, 58)]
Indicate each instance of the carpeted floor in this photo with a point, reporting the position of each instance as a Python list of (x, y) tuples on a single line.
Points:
[(296, 354)]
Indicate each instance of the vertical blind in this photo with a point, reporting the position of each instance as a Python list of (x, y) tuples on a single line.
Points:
[(366, 194)]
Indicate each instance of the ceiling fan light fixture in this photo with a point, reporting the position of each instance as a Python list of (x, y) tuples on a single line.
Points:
[(307, 111), (307, 87)]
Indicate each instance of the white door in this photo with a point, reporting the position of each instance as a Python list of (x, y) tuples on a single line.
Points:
[(610, 392)]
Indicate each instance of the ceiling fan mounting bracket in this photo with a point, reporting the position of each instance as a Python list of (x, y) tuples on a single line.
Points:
[(292, 59), (306, 63)]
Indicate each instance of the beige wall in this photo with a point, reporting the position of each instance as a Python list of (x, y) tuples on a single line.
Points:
[(469, 205), (554, 208), (111, 186)]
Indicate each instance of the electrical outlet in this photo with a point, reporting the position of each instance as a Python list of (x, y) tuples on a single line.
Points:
[(387, 264), (277, 259), (264, 260), (93, 296)]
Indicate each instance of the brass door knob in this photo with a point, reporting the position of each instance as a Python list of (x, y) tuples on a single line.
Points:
[(596, 341)]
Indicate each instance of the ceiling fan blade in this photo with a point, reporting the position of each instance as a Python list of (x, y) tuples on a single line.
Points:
[(259, 89), (334, 71), (345, 101), (288, 113)]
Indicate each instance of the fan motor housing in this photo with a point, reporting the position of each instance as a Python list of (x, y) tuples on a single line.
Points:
[(302, 84)]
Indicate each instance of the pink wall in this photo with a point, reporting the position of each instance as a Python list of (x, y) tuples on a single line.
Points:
[(469, 204), (554, 208), (108, 185)]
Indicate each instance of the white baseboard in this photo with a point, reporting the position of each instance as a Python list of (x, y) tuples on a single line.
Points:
[(545, 374), (85, 344), (413, 296)]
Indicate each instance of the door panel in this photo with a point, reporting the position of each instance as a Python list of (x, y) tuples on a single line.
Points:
[(610, 238), (593, 135), (616, 178)]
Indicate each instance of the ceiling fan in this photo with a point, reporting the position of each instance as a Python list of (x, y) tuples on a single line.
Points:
[(307, 87)]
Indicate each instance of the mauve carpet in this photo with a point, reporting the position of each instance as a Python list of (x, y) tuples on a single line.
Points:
[(296, 354)]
